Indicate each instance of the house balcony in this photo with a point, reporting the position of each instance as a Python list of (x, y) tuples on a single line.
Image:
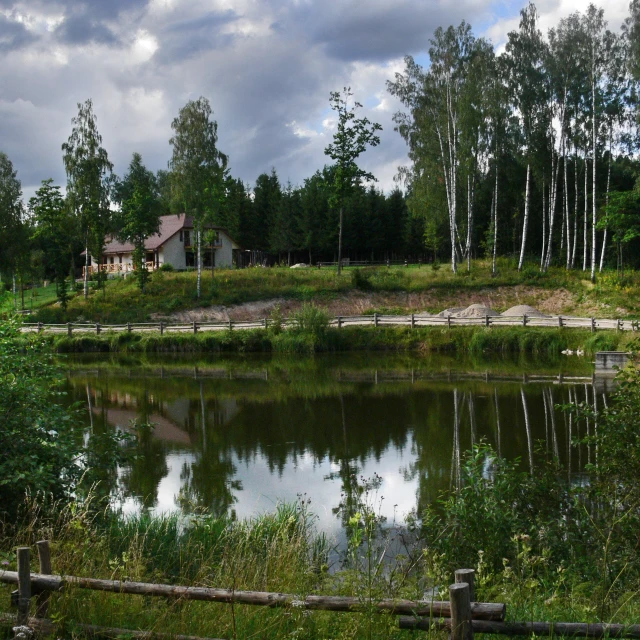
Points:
[(118, 268)]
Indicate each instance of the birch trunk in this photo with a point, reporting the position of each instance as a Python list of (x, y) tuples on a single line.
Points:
[(544, 227), (553, 196), (340, 241), (495, 225), (593, 160), (585, 241), (566, 207), (525, 222), (86, 272), (604, 238), (575, 210), (199, 260)]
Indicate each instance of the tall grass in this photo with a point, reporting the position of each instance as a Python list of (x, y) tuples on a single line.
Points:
[(318, 337)]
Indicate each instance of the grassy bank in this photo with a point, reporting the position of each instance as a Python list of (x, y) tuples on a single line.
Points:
[(356, 290), (473, 340)]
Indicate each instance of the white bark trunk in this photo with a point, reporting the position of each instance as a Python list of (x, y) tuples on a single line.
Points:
[(544, 227), (585, 241), (525, 222), (86, 272), (593, 161), (495, 224), (199, 260), (604, 238)]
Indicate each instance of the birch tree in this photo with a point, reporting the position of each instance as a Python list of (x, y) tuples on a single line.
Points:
[(89, 184), (197, 167), (525, 52)]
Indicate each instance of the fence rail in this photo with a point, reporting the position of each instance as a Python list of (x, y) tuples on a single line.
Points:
[(461, 615), (376, 320)]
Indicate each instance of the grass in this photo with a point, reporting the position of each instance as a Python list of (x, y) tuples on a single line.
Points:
[(121, 300), (34, 299), (472, 340)]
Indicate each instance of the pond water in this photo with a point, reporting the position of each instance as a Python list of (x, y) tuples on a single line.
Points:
[(236, 435)]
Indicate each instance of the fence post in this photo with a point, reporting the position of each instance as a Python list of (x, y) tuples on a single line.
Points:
[(560, 321), (69, 329), (129, 327), (161, 327), (339, 322), (461, 628), (593, 325), (39, 327), (468, 576), (486, 321), (195, 327), (230, 324), (524, 320), (24, 585), (265, 323), (42, 599), (449, 322), (619, 324), (413, 321), (375, 319), (97, 328)]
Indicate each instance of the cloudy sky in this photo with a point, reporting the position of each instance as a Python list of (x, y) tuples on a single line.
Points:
[(267, 67)]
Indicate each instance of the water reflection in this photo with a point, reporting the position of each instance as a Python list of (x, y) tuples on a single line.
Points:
[(235, 436)]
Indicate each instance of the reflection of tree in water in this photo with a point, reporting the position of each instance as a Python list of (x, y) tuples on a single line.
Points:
[(207, 481), (141, 478)]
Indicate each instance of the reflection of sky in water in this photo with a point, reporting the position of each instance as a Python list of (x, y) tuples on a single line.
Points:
[(243, 445), (263, 489)]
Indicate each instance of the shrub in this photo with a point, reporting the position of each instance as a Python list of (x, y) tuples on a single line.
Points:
[(166, 267), (361, 279)]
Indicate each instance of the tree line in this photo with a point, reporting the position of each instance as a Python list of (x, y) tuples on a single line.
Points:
[(529, 153)]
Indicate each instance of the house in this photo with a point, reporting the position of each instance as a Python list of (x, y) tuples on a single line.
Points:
[(174, 244)]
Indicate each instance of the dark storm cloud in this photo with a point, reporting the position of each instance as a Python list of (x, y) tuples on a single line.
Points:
[(380, 31), (184, 39), (83, 29), (13, 35)]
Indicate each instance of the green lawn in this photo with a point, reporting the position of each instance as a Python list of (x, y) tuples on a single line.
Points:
[(33, 299), (393, 289)]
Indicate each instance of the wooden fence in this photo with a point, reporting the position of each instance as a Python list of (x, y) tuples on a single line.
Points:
[(376, 320), (462, 616)]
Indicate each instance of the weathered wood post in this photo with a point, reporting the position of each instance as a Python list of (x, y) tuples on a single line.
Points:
[(560, 321), (449, 322), (69, 329), (524, 320), (40, 327), (44, 556), (375, 319), (468, 576), (486, 321), (24, 585), (593, 325), (619, 324), (339, 322), (265, 323), (129, 327), (97, 328), (413, 321), (230, 324), (195, 327), (161, 328), (461, 628)]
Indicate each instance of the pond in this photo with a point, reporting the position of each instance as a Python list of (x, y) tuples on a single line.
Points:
[(236, 435)]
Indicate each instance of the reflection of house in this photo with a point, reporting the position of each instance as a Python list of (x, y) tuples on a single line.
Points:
[(174, 244)]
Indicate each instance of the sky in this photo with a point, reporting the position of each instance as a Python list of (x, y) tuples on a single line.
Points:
[(266, 66)]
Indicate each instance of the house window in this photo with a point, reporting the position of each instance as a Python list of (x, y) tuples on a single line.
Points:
[(120, 259), (150, 257), (187, 238), (217, 242), (111, 260)]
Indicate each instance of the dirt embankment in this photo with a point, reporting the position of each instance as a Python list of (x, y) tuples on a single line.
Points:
[(559, 301)]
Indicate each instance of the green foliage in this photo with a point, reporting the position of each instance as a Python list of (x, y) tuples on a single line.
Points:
[(40, 447), (139, 215), (167, 267)]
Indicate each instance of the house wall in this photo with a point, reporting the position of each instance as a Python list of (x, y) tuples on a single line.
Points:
[(224, 254), (172, 252)]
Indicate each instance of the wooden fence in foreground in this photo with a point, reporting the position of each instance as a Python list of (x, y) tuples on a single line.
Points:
[(377, 320), (461, 615)]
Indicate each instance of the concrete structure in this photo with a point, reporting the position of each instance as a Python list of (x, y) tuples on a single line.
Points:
[(611, 361), (174, 244)]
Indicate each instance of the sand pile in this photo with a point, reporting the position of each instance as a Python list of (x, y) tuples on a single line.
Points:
[(450, 312), (524, 309), (476, 311)]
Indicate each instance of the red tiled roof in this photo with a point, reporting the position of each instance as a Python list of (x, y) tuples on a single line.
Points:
[(169, 226)]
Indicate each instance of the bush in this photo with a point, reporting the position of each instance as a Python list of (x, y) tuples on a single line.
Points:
[(166, 267), (361, 279), (313, 321)]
